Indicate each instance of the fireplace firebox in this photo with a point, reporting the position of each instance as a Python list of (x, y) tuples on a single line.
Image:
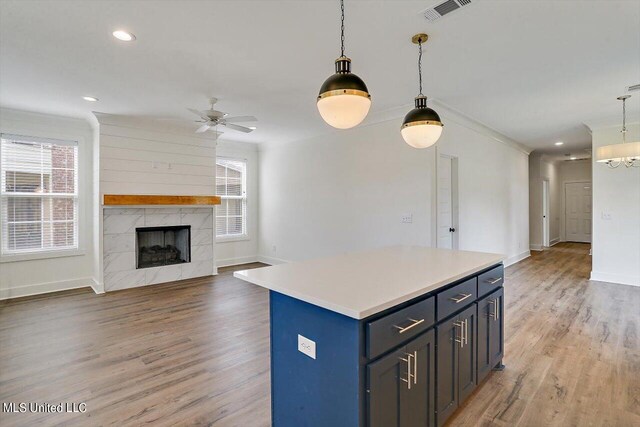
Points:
[(158, 246)]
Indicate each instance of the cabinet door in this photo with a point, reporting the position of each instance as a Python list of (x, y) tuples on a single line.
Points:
[(496, 331), (448, 335), (420, 405), (485, 311), (467, 353), (387, 389)]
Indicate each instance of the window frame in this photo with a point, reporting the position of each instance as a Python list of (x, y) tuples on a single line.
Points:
[(245, 235), (45, 253)]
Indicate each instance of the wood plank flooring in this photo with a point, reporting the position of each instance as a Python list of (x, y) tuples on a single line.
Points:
[(197, 352)]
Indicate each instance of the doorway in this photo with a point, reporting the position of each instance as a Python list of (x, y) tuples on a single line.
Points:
[(577, 206), (545, 214), (447, 202)]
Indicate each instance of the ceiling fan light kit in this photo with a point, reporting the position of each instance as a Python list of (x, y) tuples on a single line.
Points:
[(344, 100), (212, 118), (421, 127), (626, 153)]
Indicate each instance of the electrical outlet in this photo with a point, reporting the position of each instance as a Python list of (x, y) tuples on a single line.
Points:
[(307, 346), (407, 219), (606, 216)]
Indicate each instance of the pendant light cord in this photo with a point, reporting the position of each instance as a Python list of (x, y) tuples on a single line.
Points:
[(420, 64), (342, 28), (624, 121)]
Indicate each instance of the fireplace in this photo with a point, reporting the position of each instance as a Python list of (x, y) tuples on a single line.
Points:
[(158, 246)]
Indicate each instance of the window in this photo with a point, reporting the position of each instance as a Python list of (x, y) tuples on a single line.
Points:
[(38, 194), (231, 183)]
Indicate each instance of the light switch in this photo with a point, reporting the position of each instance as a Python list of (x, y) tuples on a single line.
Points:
[(307, 346)]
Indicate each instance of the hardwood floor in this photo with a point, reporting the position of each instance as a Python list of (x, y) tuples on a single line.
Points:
[(197, 352)]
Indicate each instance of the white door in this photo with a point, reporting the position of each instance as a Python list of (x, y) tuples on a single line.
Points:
[(446, 195), (577, 202), (545, 214)]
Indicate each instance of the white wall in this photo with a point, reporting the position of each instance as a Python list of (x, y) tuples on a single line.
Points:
[(571, 171), (616, 192), (348, 190), (19, 278), (244, 250)]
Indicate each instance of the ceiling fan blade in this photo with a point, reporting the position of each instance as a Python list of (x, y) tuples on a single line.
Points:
[(200, 114), (238, 119), (238, 128), (205, 127)]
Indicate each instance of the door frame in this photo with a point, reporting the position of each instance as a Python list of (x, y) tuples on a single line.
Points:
[(563, 220), (455, 202)]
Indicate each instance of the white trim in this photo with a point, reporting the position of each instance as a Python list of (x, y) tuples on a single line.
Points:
[(97, 287), (228, 262), (536, 247), (28, 256), (554, 241), (231, 238), (615, 278), (44, 288), (271, 260), (516, 258)]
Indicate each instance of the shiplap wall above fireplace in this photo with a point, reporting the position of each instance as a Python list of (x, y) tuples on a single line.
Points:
[(151, 157)]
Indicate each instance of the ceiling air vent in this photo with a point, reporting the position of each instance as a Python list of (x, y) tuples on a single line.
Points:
[(633, 88), (438, 11)]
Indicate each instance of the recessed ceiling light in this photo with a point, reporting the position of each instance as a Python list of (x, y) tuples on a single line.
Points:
[(90, 98), (253, 127), (559, 143), (125, 36), (573, 158)]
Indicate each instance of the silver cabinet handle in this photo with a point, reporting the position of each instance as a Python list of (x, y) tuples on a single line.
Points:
[(459, 300), (415, 367), (461, 340), (402, 330), (496, 309), (410, 376), (493, 281), (466, 331)]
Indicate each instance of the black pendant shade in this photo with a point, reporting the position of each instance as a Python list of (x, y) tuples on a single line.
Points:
[(421, 114), (343, 81)]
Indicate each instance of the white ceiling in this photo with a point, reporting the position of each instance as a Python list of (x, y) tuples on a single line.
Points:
[(533, 70)]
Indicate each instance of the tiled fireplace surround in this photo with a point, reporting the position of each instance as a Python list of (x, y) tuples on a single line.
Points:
[(119, 242)]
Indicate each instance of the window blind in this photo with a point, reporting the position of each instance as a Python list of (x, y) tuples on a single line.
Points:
[(231, 214), (38, 194)]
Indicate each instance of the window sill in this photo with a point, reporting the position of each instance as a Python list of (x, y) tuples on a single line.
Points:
[(232, 239), (41, 255)]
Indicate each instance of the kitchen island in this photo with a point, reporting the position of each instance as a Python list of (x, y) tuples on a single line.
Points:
[(398, 336)]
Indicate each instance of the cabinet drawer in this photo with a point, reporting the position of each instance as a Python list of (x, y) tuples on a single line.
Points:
[(456, 298), (490, 280), (396, 328)]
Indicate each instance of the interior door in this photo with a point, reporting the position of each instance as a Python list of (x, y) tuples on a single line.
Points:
[(578, 212), (445, 202)]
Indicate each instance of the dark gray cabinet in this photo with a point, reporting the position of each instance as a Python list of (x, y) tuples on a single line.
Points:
[(456, 361), (490, 333), (401, 385)]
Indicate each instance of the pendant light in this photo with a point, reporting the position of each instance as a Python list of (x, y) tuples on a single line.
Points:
[(422, 126), (627, 153), (344, 100)]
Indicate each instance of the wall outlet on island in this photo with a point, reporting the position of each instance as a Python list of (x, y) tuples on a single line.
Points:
[(306, 346), (407, 218)]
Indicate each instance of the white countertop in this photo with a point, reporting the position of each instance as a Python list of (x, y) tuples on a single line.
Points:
[(364, 283)]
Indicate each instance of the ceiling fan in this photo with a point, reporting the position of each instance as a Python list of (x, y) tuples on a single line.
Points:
[(211, 118)]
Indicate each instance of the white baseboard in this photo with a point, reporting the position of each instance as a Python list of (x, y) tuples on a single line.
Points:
[(554, 241), (97, 287), (43, 288), (536, 247), (516, 258), (236, 261), (615, 278), (271, 260)]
